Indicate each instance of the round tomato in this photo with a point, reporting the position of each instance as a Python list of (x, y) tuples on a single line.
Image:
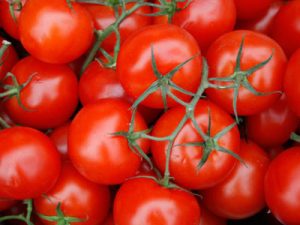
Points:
[(249, 9), (241, 194), (96, 152), (50, 97), (292, 83), (185, 159), (29, 165), (54, 32), (257, 48), (273, 126), (7, 60), (79, 198), (282, 187), (143, 201), (59, 135), (170, 46)]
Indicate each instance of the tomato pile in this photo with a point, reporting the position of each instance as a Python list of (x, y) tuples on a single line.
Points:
[(149, 112)]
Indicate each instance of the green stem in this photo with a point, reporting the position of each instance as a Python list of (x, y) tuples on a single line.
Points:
[(295, 137), (4, 47), (3, 123)]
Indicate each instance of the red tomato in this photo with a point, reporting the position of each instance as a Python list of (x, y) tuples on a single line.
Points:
[(249, 9), (6, 203), (273, 126), (95, 151), (285, 29), (263, 23), (282, 187), (185, 159), (79, 198), (143, 201), (30, 163), (222, 57), (109, 220), (171, 46), (53, 32), (292, 82), (60, 138), (205, 20), (209, 218), (50, 98), (241, 194), (103, 16), (10, 23), (7, 60)]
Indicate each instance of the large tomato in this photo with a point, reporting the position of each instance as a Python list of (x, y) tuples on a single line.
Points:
[(29, 165), (78, 197), (54, 32), (7, 60), (50, 97), (171, 46), (257, 48), (241, 194), (185, 159), (282, 188), (96, 152), (143, 201)]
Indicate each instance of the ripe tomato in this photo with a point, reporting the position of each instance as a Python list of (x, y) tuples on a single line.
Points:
[(222, 57), (250, 9), (282, 187), (50, 98), (8, 59), (59, 136), (95, 151), (285, 29), (103, 16), (209, 218), (53, 32), (185, 159), (29, 165), (292, 82), (78, 196), (273, 126), (171, 46), (143, 201), (6, 203), (241, 194)]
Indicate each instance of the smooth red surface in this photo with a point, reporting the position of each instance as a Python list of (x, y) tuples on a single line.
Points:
[(59, 136), (249, 9)]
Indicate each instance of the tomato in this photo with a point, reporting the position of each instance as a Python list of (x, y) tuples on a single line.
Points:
[(273, 126), (249, 9), (222, 57), (49, 99), (134, 65), (285, 29), (109, 220), (6, 203), (263, 23), (103, 16), (30, 163), (53, 32), (7, 60), (143, 201), (282, 188), (95, 151), (241, 194), (209, 218), (79, 198), (9, 22), (59, 136), (292, 82), (185, 159)]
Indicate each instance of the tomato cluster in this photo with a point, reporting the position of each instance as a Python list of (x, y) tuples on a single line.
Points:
[(149, 112)]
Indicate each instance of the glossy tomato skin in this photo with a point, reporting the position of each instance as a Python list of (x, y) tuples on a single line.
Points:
[(292, 82), (78, 196), (143, 201), (257, 48), (50, 98), (95, 151), (249, 9), (54, 33), (9, 23), (171, 46), (26, 156), (184, 159), (285, 29), (103, 16), (241, 194), (59, 135), (273, 126), (282, 188), (8, 60)]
